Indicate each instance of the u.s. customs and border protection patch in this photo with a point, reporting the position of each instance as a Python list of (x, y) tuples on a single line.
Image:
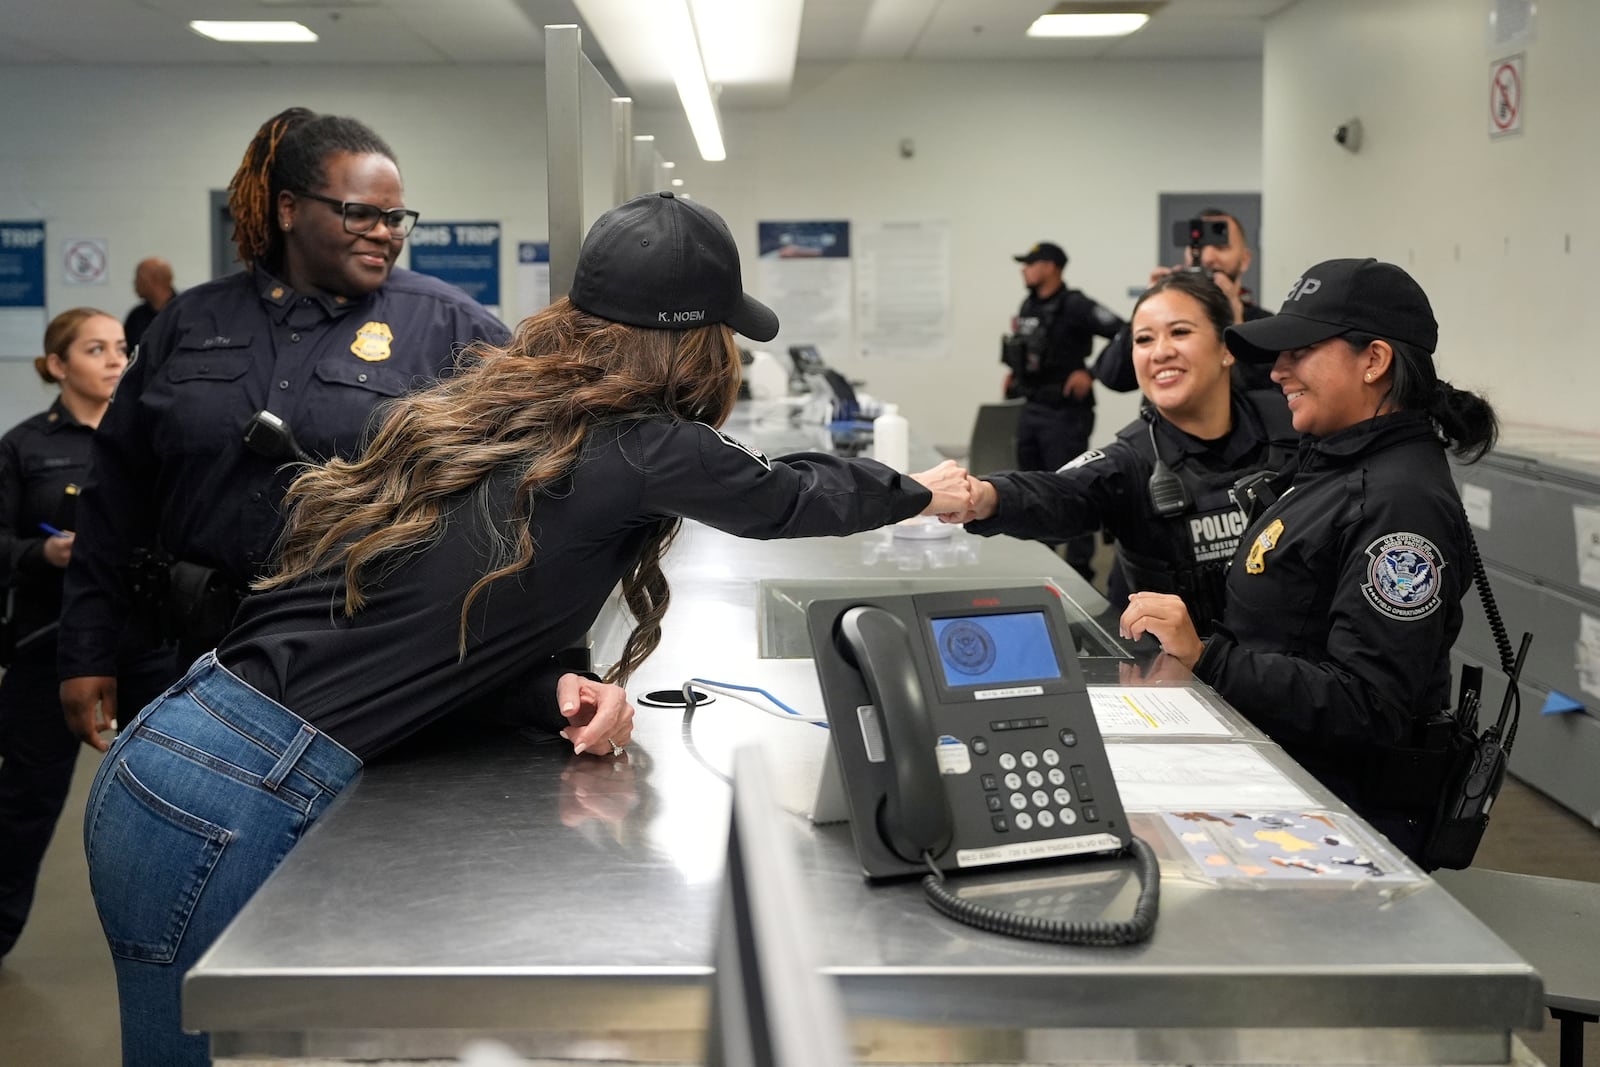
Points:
[(372, 342), (1266, 541), (1403, 577)]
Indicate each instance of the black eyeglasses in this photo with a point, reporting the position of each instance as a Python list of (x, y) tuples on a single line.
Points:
[(362, 218)]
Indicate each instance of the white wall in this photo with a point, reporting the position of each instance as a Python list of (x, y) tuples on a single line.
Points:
[(1008, 153), (1483, 225)]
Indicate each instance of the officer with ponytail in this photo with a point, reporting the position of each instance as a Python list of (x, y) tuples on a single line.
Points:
[(1345, 595), (237, 380)]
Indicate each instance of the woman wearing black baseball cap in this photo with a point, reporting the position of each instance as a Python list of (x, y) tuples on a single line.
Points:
[(442, 570), (1345, 595)]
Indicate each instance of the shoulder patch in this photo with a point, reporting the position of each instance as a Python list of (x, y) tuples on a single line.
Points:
[(1083, 460), (1403, 579), (733, 442)]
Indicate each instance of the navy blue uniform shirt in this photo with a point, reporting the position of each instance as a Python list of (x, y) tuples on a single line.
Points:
[(40, 460), (170, 469)]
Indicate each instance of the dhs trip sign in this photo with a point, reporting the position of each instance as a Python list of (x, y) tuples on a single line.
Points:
[(465, 254)]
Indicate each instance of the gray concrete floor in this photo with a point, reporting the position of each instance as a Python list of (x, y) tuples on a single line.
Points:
[(58, 998)]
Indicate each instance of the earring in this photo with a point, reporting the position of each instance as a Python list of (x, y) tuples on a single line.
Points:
[(1368, 378)]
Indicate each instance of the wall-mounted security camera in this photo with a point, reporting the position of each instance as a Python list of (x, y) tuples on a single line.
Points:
[(1348, 135)]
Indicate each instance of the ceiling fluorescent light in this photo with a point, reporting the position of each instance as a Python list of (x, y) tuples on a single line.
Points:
[(254, 32), (1093, 19), (689, 75)]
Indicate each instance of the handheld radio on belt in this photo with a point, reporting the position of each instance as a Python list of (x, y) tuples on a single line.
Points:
[(1477, 760)]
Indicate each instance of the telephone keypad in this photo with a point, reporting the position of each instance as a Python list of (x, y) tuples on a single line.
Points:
[(1035, 789)]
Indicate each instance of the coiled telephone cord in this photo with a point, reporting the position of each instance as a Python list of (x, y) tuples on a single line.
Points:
[(1129, 932)]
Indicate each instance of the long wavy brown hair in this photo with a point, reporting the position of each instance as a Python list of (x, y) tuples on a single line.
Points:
[(527, 405)]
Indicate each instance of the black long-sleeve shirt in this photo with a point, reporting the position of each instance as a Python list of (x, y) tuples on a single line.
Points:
[(170, 469), (371, 679), (1345, 598)]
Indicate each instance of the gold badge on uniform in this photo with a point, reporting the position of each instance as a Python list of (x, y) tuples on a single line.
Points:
[(1266, 541), (372, 342)]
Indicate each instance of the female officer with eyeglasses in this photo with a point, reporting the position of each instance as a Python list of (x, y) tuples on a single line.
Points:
[(238, 377)]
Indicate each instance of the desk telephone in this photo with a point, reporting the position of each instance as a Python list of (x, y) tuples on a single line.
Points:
[(965, 739)]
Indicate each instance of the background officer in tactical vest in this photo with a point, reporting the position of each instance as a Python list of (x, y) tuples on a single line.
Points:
[(1045, 353)]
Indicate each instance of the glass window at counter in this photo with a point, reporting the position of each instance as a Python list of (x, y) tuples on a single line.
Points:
[(995, 649)]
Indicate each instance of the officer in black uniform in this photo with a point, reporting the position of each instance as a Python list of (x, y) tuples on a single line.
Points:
[(1165, 487), (1045, 353), (42, 464), (1345, 597), (238, 378)]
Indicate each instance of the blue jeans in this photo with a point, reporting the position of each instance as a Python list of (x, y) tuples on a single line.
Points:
[(195, 805)]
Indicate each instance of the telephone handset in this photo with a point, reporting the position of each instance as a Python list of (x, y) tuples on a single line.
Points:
[(916, 813), (963, 731)]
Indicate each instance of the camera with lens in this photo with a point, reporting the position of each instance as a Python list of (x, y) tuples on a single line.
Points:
[(1195, 234)]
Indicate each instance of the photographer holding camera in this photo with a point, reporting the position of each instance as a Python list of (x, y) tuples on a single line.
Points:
[(1045, 356), (1214, 243)]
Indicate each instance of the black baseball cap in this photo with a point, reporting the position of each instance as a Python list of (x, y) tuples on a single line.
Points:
[(1044, 251), (1339, 296), (667, 263)]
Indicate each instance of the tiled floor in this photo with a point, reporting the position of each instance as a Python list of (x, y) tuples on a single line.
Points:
[(58, 1003)]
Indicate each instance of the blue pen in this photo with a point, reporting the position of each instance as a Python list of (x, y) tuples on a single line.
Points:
[(51, 530)]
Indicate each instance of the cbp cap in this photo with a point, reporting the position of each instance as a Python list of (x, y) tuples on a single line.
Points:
[(666, 263), (1335, 297), (1044, 252)]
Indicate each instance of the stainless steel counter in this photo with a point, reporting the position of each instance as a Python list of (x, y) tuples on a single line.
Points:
[(497, 885)]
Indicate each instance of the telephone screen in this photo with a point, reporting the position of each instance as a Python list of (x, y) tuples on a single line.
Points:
[(995, 649)]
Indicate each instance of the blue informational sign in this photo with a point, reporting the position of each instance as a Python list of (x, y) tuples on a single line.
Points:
[(465, 254), (804, 240), (22, 264), (533, 251)]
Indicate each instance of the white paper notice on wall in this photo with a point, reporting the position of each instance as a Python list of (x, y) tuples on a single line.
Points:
[(1476, 499), (1588, 654), (1586, 534)]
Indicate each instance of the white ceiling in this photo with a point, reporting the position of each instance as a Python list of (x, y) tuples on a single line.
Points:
[(95, 32)]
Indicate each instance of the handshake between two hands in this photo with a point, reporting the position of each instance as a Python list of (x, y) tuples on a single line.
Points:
[(957, 496)]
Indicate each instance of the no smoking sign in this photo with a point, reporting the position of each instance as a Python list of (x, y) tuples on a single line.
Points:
[(1505, 96), (83, 261)]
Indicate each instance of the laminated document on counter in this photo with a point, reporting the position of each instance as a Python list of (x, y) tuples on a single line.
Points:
[(1181, 777), (1154, 711)]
